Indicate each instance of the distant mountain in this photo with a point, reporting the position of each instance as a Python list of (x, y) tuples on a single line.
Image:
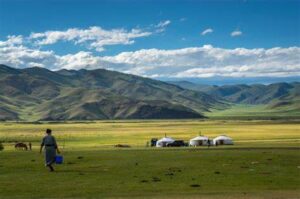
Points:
[(284, 96), (40, 94), (221, 80), (192, 86)]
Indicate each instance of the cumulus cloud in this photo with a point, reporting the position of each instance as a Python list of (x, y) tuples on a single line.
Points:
[(21, 57), (236, 33), (12, 40), (203, 61), (95, 37), (207, 31), (208, 61), (80, 60), (14, 53)]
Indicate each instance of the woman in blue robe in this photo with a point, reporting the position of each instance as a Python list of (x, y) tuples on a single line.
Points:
[(51, 148)]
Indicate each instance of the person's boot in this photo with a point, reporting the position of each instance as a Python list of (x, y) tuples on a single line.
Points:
[(51, 168)]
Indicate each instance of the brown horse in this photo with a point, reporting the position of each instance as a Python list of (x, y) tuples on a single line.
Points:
[(21, 145)]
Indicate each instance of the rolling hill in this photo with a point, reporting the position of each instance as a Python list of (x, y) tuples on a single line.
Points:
[(278, 98), (39, 94)]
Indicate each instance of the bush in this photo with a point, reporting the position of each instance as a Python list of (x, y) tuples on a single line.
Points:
[(1, 146)]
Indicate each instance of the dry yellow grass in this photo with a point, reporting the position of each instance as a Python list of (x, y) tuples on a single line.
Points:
[(137, 133)]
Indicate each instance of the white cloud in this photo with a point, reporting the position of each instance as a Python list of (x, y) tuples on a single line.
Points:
[(94, 37), (205, 61), (80, 60), (207, 31), (22, 57), (236, 33), (161, 26), (208, 61), (12, 40)]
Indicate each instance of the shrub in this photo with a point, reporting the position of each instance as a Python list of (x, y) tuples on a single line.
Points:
[(1, 146)]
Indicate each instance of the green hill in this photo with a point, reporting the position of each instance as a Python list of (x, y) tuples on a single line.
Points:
[(39, 94), (273, 100)]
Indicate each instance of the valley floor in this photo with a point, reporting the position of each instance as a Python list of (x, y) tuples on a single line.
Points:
[(263, 163), (256, 112)]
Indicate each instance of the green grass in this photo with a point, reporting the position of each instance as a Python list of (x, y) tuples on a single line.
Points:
[(246, 111), (263, 163)]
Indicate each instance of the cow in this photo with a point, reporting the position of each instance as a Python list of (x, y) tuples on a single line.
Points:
[(22, 146)]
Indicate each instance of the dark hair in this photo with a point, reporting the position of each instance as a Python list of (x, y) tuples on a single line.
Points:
[(48, 131)]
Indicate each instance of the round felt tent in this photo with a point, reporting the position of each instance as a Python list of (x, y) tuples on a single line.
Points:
[(222, 140), (199, 141), (164, 141)]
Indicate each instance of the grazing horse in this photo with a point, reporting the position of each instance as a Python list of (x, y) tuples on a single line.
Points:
[(21, 145)]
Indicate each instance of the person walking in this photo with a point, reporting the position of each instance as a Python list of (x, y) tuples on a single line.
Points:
[(208, 143), (49, 142), (30, 146)]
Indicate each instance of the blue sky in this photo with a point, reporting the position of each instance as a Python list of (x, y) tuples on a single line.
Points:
[(233, 31)]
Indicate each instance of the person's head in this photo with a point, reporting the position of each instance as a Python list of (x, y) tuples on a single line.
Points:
[(48, 131)]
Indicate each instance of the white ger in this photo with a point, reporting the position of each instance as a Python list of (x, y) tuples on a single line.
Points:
[(222, 140), (164, 141), (199, 141)]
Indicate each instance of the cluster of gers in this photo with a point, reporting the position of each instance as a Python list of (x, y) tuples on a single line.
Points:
[(197, 141)]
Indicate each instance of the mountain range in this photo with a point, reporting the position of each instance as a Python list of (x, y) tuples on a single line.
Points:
[(278, 97), (34, 94), (39, 94)]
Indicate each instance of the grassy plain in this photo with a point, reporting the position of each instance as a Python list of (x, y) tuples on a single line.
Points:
[(263, 163), (246, 111)]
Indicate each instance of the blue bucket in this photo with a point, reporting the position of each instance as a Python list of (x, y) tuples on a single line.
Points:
[(59, 159)]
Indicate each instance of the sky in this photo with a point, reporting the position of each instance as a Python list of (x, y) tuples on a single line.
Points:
[(240, 41)]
